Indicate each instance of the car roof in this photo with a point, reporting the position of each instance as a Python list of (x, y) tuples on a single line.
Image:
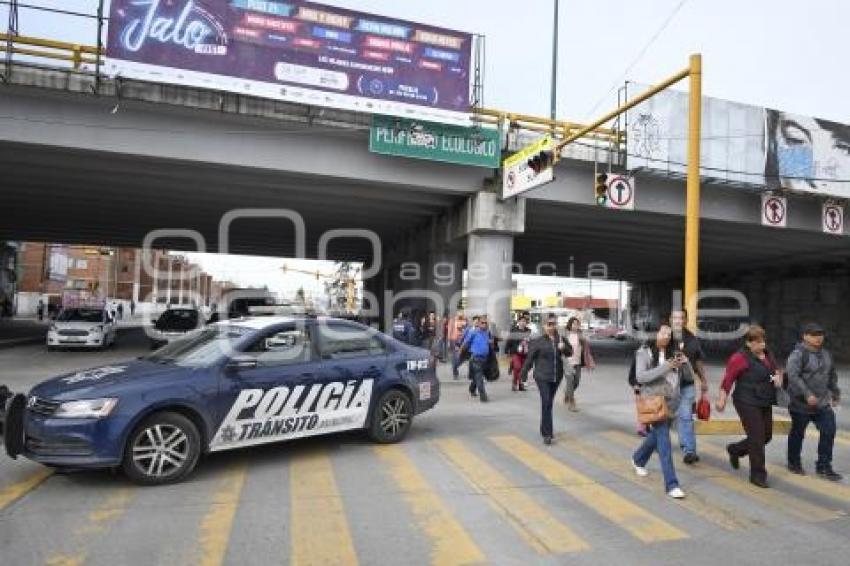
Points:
[(260, 322)]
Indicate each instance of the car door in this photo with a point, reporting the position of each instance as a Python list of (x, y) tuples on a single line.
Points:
[(353, 359), (264, 388)]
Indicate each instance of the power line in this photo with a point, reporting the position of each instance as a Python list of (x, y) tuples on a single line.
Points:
[(639, 56)]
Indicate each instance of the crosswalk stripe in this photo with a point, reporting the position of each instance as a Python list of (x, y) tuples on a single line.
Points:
[(695, 503), (640, 523), (452, 544), (218, 522), (833, 490), (540, 529), (770, 497), (98, 521), (320, 533), (15, 491)]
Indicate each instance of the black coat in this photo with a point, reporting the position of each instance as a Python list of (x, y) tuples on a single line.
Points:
[(547, 360)]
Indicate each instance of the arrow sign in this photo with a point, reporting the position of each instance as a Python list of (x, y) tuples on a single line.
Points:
[(621, 192), (833, 219), (774, 211)]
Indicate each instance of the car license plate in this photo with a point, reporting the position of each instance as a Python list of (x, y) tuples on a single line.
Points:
[(425, 391)]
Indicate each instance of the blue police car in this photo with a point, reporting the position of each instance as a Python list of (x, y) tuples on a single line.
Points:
[(241, 383)]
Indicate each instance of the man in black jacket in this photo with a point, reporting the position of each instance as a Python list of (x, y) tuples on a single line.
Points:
[(547, 354)]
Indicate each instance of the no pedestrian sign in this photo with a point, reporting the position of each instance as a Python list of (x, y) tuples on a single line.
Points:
[(774, 211), (833, 219), (621, 192)]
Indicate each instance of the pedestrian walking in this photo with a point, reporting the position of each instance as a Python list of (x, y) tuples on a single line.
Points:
[(120, 311), (456, 332), (516, 347), (546, 356), (133, 308), (478, 343), (657, 369), (580, 358), (402, 329), (693, 376), (428, 330), (814, 393), (756, 377), (40, 309)]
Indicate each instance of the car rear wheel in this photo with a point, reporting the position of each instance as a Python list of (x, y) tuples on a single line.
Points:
[(163, 448), (391, 417)]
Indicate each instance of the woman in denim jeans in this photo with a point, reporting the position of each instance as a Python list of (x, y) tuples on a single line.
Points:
[(657, 373)]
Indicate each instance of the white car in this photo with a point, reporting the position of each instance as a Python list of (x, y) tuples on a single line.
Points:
[(82, 327)]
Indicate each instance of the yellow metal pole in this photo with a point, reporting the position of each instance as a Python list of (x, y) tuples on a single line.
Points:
[(693, 190)]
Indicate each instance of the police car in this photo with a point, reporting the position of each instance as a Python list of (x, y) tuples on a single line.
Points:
[(241, 383)]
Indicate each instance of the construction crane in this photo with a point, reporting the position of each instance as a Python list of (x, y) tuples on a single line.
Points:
[(350, 283)]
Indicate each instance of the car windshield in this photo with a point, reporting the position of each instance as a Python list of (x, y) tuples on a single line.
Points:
[(201, 348), (178, 319), (80, 315)]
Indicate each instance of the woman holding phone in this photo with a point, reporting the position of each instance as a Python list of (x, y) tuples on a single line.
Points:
[(756, 378)]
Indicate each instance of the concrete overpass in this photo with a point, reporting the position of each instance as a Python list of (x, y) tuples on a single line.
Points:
[(75, 167)]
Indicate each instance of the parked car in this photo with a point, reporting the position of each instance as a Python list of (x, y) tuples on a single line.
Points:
[(82, 327), (174, 323)]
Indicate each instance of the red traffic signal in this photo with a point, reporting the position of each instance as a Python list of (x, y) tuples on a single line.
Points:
[(541, 161), (601, 189)]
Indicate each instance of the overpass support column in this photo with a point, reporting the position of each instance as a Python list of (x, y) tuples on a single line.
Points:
[(490, 226)]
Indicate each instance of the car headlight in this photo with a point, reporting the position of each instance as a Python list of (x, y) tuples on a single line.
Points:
[(52, 327), (86, 408), (98, 328)]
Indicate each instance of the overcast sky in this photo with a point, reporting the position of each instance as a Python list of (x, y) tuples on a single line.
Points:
[(783, 54)]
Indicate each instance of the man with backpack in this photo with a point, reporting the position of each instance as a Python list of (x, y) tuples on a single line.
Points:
[(813, 389), (478, 342)]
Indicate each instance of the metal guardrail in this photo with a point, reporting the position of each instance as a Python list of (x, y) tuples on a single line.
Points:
[(74, 53)]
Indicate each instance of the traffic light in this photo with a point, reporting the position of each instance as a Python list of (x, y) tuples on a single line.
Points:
[(601, 189), (541, 161)]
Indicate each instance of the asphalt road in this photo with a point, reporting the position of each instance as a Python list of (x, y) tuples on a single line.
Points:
[(472, 483)]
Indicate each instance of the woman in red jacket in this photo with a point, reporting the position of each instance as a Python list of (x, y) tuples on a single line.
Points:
[(756, 378)]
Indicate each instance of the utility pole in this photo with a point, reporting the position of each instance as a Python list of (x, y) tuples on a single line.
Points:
[(553, 101)]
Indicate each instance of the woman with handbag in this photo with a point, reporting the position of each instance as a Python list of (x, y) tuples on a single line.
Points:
[(757, 380), (657, 373)]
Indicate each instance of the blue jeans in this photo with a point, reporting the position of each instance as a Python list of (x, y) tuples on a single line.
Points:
[(547, 391), (476, 374), (824, 420), (455, 362), (658, 438), (685, 417)]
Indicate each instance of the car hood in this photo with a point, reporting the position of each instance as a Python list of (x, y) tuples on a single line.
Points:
[(103, 381), (75, 325)]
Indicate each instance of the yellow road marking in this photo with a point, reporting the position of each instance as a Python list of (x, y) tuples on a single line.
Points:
[(640, 523), (452, 544), (320, 532), (218, 522), (770, 497), (535, 525), (100, 520), (836, 490), (695, 503), (12, 493)]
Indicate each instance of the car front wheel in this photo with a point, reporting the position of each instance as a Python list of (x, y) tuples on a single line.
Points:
[(163, 448), (391, 417)]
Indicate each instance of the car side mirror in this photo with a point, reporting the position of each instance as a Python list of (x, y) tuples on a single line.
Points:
[(241, 362)]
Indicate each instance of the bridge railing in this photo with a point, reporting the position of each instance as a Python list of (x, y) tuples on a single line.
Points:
[(39, 48)]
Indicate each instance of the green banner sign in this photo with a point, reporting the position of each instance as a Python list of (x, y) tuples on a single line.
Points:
[(479, 147)]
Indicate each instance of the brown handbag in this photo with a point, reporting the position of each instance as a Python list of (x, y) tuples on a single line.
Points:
[(651, 409)]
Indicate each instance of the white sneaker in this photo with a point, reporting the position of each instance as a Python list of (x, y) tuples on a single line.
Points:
[(639, 470), (676, 493)]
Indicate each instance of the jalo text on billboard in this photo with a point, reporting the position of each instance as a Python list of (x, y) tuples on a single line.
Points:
[(294, 51)]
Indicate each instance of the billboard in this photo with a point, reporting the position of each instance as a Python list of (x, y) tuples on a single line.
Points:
[(294, 51), (741, 144), (58, 263)]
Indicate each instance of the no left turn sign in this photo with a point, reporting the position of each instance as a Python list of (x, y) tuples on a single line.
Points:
[(833, 219), (774, 211)]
